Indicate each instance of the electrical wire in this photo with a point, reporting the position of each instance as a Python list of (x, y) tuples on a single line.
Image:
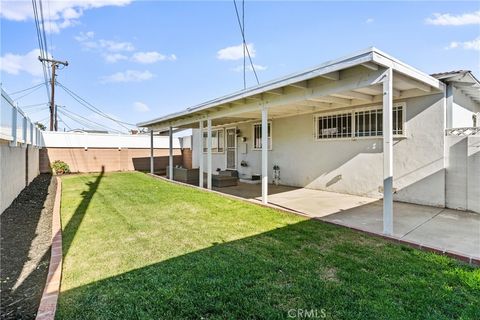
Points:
[(245, 42), (93, 108), (61, 120), (28, 93), (41, 47), (34, 105), (71, 113), (20, 91), (36, 111)]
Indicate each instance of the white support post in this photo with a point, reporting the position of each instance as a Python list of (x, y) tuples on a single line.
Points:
[(170, 153), (24, 130), (152, 159), (264, 155), (388, 153), (200, 155), (31, 133), (209, 153)]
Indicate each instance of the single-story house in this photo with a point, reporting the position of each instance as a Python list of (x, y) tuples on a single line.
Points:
[(365, 124)]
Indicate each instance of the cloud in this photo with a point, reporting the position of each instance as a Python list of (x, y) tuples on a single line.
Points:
[(114, 57), (467, 45), (258, 67), (128, 76), (87, 41), (151, 57), (58, 14), (447, 19), (369, 21), (235, 52), (140, 107), (16, 63)]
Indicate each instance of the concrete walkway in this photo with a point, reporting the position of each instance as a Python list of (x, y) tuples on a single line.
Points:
[(444, 229)]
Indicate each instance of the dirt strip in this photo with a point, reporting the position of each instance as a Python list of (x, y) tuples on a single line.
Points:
[(25, 248)]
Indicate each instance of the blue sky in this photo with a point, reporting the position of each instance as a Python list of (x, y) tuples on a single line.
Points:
[(143, 59)]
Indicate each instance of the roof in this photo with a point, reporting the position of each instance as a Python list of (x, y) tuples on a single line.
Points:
[(463, 80), (371, 55)]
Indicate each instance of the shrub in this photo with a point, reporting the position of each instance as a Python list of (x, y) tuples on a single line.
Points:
[(60, 167)]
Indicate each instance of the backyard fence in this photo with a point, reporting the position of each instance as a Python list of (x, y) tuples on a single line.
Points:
[(20, 140)]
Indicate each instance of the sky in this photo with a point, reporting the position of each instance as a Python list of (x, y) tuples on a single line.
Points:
[(138, 60)]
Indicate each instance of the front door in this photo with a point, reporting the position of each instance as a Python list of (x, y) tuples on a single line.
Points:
[(231, 149)]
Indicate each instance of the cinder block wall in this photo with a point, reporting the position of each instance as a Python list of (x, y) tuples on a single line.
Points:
[(18, 167), (111, 159)]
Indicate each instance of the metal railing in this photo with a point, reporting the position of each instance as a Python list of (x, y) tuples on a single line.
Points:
[(463, 132), (15, 126)]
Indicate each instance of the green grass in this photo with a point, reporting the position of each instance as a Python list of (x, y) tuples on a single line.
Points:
[(139, 248)]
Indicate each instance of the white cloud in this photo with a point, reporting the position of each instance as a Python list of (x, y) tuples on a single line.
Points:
[(467, 45), (58, 14), (369, 21), (87, 41), (15, 63), (248, 67), (235, 52), (447, 19), (128, 76), (114, 57), (151, 57), (140, 107)]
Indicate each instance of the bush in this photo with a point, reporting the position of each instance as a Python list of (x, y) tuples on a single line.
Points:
[(60, 167)]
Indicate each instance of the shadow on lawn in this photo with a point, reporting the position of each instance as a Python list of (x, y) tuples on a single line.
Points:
[(303, 266), (73, 224)]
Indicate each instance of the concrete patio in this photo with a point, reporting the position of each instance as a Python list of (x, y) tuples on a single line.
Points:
[(441, 228)]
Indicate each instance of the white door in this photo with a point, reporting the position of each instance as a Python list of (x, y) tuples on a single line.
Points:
[(231, 149)]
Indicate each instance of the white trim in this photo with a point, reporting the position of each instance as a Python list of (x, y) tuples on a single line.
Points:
[(253, 135), (226, 149), (216, 129)]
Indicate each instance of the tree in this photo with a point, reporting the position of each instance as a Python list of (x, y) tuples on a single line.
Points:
[(41, 126)]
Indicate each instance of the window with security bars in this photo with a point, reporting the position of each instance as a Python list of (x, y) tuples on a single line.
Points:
[(369, 123), (257, 136), (363, 123), (334, 126), (218, 141)]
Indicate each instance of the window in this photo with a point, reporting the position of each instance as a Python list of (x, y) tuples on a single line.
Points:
[(218, 141), (363, 123), (257, 136), (334, 126)]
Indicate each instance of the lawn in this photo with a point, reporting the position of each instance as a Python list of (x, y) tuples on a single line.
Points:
[(139, 248)]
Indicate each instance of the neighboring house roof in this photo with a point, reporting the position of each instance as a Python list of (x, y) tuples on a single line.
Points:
[(371, 58), (463, 80)]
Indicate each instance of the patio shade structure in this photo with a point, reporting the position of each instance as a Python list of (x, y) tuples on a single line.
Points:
[(361, 79)]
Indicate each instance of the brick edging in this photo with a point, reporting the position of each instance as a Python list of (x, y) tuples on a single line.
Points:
[(450, 253), (48, 303)]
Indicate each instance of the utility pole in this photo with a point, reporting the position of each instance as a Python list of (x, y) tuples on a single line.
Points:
[(53, 114)]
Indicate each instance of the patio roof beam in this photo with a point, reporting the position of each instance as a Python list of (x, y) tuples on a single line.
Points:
[(369, 65), (335, 75), (276, 92), (347, 84), (417, 84), (332, 99), (300, 85), (354, 95)]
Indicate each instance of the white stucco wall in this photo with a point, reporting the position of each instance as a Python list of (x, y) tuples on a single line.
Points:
[(463, 173), (354, 166), (463, 109), (12, 171)]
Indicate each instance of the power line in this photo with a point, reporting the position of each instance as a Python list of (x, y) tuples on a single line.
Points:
[(40, 45), (20, 91), (28, 93), (99, 124), (34, 105), (93, 108), (66, 125), (244, 41)]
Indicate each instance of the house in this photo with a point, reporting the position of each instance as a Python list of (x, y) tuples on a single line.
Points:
[(365, 124)]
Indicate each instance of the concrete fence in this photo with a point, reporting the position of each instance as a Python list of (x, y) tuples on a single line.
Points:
[(19, 151), (90, 152), (463, 172)]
